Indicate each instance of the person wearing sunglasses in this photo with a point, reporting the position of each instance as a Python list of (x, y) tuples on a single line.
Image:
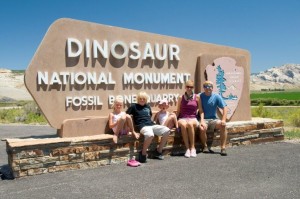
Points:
[(210, 103), (187, 109)]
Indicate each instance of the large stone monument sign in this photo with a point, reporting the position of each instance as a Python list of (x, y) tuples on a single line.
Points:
[(80, 67)]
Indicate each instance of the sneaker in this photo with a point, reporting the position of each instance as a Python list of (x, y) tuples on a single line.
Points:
[(187, 153), (193, 153), (223, 152), (158, 155), (207, 150), (133, 163), (142, 158)]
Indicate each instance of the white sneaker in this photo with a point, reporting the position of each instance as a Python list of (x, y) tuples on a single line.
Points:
[(193, 153), (187, 153)]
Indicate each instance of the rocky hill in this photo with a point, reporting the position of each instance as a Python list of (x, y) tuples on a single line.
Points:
[(12, 86), (283, 77)]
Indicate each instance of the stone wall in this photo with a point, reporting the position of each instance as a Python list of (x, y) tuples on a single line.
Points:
[(27, 157)]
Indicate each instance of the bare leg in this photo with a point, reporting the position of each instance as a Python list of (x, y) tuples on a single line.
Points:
[(191, 134), (203, 137), (171, 122), (131, 127), (115, 138), (223, 136), (146, 144), (174, 119), (183, 126), (120, 126), (163, 141), (121, 123)]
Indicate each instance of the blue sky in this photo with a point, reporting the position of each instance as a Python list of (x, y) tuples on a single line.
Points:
[(268, 29)]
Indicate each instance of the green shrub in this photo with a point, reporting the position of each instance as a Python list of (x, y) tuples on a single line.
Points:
[(295, 118), (274, 102), (35, 118), (11, 115), (31, 107), (28, 113), (259, 111)]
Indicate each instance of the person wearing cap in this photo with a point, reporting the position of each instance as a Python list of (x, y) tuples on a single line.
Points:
[(142, 114), (164, 117), (210, 103), (188, 107)]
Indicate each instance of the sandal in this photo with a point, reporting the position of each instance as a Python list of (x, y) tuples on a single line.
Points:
[(223, 152)]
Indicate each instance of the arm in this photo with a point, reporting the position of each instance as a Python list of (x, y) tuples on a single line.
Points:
[(156, 117), (223, 106), (110, 122), (201, 113), (224, 115), (178, 106), (129, 110)]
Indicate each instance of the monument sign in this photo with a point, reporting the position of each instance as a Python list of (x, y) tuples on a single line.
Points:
[(80, 67)]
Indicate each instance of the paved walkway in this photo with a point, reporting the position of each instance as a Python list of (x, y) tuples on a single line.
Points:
[(258, 171)]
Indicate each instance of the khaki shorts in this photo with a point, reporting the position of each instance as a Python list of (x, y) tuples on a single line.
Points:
[(211, 124)]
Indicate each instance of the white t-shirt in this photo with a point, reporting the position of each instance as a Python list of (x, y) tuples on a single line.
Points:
[(162, 117), (115, 118)]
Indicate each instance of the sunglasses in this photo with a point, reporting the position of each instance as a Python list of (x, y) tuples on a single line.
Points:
[(191, 87), (207, 86)]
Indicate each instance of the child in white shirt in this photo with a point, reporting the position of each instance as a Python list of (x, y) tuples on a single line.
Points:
[(164, 117), (120, 122)]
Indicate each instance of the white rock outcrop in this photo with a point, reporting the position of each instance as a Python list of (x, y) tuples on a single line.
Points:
[(283, 77)]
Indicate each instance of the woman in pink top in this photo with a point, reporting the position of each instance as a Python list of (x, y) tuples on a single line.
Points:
[(187, 108)]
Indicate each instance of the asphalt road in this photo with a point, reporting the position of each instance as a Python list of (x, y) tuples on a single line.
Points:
[(258, 171)]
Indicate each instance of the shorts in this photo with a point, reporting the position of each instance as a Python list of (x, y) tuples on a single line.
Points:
[(150, 131), (190, 119), (211, 124)]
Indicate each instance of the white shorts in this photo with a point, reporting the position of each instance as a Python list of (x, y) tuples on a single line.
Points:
[(150, 131), (190, 119)]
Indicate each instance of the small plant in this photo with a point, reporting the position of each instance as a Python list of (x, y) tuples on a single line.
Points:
[(28, 113), (260, 111), (292, 134), (295, 119)]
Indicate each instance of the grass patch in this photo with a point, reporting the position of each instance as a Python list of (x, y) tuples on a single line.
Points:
[(292, 133), (26, 114), (14, 103), (286, 98), (19, 72), (289, 115), (287, 95)]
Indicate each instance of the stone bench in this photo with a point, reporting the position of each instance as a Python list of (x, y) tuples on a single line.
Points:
[(28, 157)]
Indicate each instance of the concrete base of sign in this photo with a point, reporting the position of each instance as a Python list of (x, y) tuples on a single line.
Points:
[(27, 157), (86, 126)]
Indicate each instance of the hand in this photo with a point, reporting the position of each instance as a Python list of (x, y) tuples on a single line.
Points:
[(223, 123), (204, 125)]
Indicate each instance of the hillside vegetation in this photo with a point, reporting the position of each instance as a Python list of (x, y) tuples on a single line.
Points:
[(282, 98)]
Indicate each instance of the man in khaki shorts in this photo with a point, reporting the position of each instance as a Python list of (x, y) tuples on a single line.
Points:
[(210, 103)]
